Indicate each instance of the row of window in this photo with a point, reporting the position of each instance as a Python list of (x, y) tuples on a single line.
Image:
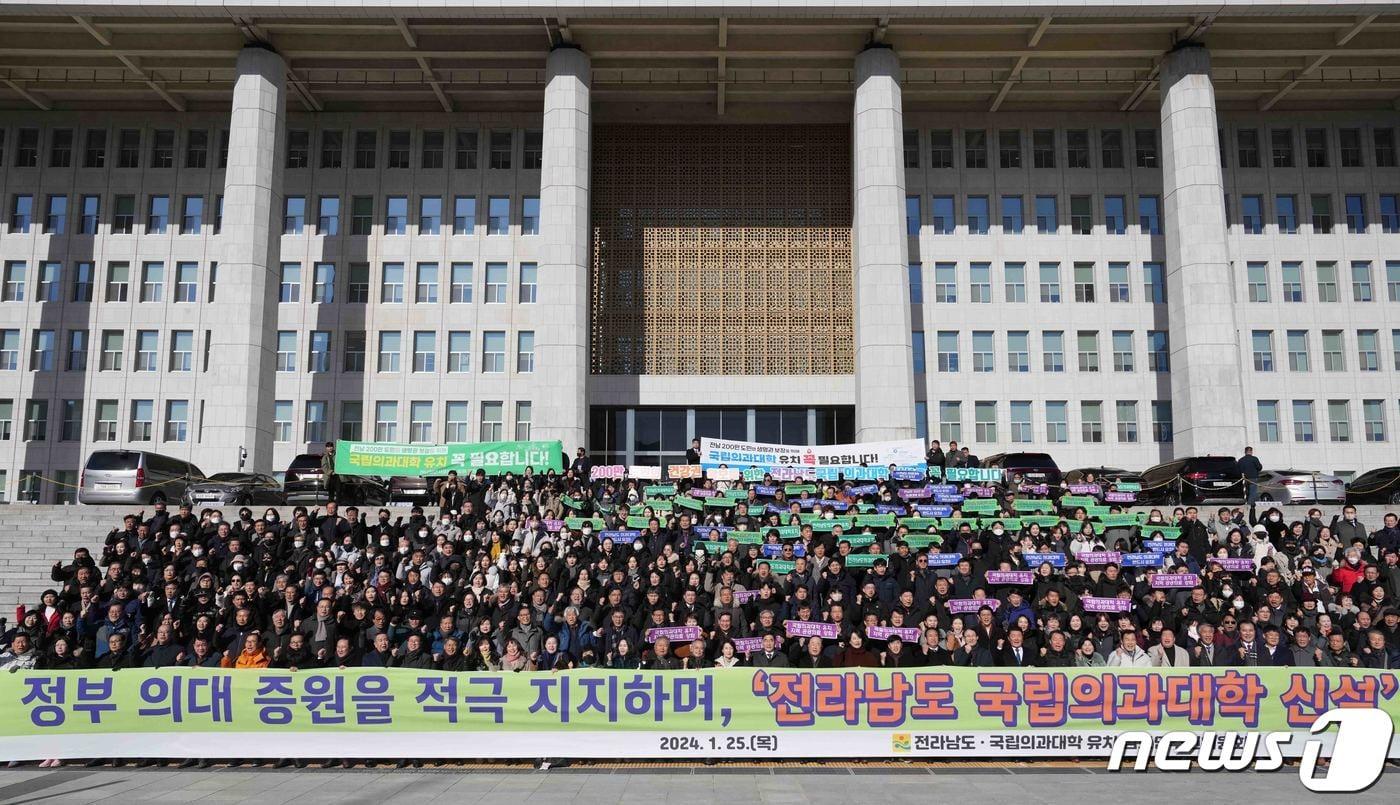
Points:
[(150, 283), (1014, 282), (47, 354), (1288, 218), (948, 351), (158, 218), (1339, 420), (65, 421), (1055, 417), (1260, 284), (162, 145), (1078, 148), (1297, 344)]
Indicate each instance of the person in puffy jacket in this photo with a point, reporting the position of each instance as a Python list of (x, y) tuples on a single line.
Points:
[(1349, 572)]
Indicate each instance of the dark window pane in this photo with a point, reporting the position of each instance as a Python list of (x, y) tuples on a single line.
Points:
[(795, 426), (617, 431), (673, 431), (597, 430), (736, 423), (826, 427), (767, 425), (707, 423), (648, 434)]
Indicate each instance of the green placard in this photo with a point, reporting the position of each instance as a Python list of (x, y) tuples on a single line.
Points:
[(1043, 520), (1166, 531), (638, 522), (923, 540), (571, 503), (1119, 520), (1075, 501), (1127, 487), (659, 489), (657, 504), (822, 526), (757, 510), (687, 502), (736, 494), (577, 522), (919, 523), (780, 566), (875, 520), (864, 559), (1097, 512), (494, 458), (719, 503), (1032, 505), (784, 531), (797, 489), (746, 537), (858, 540), (864, 508), (1011, 523), (982, 506), (712, 548)]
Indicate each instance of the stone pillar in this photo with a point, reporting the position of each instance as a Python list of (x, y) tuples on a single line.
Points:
[(884, 353), (562, 337), (1206, 373), (239, 390)]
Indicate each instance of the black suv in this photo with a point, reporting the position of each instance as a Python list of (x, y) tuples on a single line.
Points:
[(305, 484), (1376, 486), (1199, 479), (1033, 468)]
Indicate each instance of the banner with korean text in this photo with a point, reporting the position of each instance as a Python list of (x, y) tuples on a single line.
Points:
[(730, 453), (740, 712), (495, 458)]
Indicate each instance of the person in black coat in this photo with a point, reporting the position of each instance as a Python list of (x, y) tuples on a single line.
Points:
[(813, 657), (1014, 653), (972, 654)]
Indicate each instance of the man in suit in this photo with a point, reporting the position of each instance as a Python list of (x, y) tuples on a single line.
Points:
[(770, 657), (971, 654), (1167, 654), (1014, 653), (1272, 652), (1206, 653)]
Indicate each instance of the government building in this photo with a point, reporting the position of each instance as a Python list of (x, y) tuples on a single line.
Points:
[(1114, 232)]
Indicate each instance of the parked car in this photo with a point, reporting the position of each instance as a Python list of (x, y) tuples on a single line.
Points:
[(134, 477), (1301, 486), (1375, 486), (1033, 468), (1198, 479), (1103, 475), (305, 484), (236, 488), (412, 489)]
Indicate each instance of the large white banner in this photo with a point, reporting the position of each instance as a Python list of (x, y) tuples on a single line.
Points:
[(738, 455)]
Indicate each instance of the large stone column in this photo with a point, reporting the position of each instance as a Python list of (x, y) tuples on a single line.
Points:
[(562, 345), (884, 353), (1207, 389), (239, 391)]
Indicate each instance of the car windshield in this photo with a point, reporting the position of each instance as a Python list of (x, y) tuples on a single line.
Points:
[(1038, 461), (229, 476), (113, 460), (1214, 464)]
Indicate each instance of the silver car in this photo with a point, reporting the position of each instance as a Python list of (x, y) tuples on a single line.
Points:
[(135, 477), (1301, 486)]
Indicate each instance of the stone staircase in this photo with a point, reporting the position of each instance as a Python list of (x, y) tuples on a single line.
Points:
[(32, 538)]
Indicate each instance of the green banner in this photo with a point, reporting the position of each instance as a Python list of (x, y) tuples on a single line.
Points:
[(864, 559), (875, 520), (981, 506), (919, 523), (687, 502), (1029, 505), (740, 712), (495, 458), (1075, 501)]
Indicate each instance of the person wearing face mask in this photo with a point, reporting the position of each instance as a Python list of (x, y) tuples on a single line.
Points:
[(1347, 528), (1350, 571)]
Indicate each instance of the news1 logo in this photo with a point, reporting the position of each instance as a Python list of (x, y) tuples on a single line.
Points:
[(1357, 760)]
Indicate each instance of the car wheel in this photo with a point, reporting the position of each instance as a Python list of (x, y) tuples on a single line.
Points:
[(1267, 498), (1172, 498), (1395, 497)]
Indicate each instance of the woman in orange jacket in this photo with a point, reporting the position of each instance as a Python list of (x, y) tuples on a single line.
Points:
[(252, 656)]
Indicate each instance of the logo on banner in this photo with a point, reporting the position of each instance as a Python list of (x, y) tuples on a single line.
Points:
[(1356, 763)]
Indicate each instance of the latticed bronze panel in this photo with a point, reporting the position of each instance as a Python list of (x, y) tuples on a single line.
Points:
[(721, 250)]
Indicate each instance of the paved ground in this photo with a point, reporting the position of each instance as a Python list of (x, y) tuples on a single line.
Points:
[(912, 785)]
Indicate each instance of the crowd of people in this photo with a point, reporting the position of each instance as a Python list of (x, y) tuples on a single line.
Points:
[(485, 585)]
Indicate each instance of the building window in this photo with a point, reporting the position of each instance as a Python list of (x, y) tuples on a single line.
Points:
[(464, 215), (328, 215), (458, 425), (1015, 285), (389, 346), (1127, 418), (950, 421), (1088, 348), (1286, 214), (1356, 212), (912, 218), (461, 283), (41, 355), (366, 149), (1252, 214), (1056, 421), (496, 283), (1333, 354), (177, 420), (352, 420), (1327, 282), (492, 422), (1081, 214), (945, 283), (921, 420), (459, 352), (386, 421), (129, 148), (1118, 284), (95, 149), (1083, 282), (429, 215), (56, 216), (1009, 148), (319, 353), (433, 147), (152, 281), (1292, 282), (1338, 420), (362, 215), (1053, 348), (50, 286), (493, 352), (1361, 282), (498, 215), (532, 151), (465, 149), (530, 215), (911, 148), (71, 426), (975, 148), (1091, 421), (163, 149), (289, 288), (978, 215), (1298, 359), (323, 283), (1018, 351), (1050, 282), (286, 351), (1022, 431), (118, 282), (984, 419), (357, 284), (391, 288), (525, 352), (1115, 215), (983, 354), (1281, 147), (332, 149), (420, 422), (158, 215), (1043, 148), (77, 351), (1013, 215), (315, 427), (1145, 147), (981, 283), (1123, 351), (1373, 419), (105, 422), (191, 215), (940, 149), (1149, 215), (1368, 350), (90, 208), (1158, 352), (1047, 216), (1267, 412), (142, 420), (1392, 281), (920, 357), (181, 350), (1315, 143), (948, 350), (396, 215), (1262, 342), (298, 149), (426, 288), (1111, 148), (1321, 212), (1384, 142), (944, 222), (354, 351), (425, 351), (1257, 277), (1077, 148), (501, 148)]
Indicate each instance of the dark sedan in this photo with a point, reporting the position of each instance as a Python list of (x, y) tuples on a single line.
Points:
[(237, 489), (1377, 486)]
